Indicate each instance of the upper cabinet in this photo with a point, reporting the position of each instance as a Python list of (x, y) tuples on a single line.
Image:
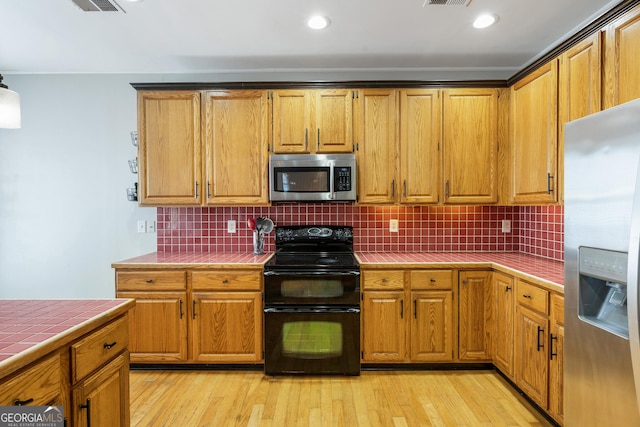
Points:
[(470, 145), (534, 137), (169, 148), (237, 137), (622, 59), (313, 121), (420, 158)]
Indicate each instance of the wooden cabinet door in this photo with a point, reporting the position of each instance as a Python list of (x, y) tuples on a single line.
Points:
[(102, 400), (556, 359), (622, 59), (292, 121), (237, 135), (503, 325), (226, 327), (534, 136), (384, 326), (157, 326), (420, 130), (470, 145), (432, 326), (333, 120), (169, 167), (531, 353), (579, 93), (475, 306), (377, 146)]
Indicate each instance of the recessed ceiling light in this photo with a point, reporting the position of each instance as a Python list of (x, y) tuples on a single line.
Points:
[(318, 22), (486, 20)]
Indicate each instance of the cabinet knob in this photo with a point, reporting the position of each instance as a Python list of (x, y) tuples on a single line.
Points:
[(149, 280), (384, 280), (225, 281)]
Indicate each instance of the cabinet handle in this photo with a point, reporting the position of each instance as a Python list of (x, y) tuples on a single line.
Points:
[(433, 280), (549, 178), (405, 189), (540, 343), (19, 402), (225, 281), (402, 309), (193, 311), (527, 296), (551, 340), (507, 289), (464, 282), (181, 313), (306, 138), (384, 280), (415, 308), (208, 189), (197, 191), (149, 280), (109, 346), (318, 138), (393, 188), (87, 406)]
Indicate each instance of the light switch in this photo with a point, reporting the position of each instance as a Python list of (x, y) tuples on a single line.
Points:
[(142, 226), (231, 226), (393, 225), (506, 226)]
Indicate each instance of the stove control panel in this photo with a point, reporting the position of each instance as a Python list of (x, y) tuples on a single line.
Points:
[(315, 233)]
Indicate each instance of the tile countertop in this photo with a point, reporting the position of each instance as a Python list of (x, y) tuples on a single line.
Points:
[(546, 272), (31, 328), (194, 259)]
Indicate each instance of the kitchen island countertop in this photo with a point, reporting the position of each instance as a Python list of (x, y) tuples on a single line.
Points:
[(30, 329), (546, 272)]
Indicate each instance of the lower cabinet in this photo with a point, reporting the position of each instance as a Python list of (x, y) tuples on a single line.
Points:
[(194, 316), (475, 315), (407, 316), (556, 359), (503, 322)]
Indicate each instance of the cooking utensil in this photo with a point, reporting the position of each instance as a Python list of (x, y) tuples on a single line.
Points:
[(259, 223), (251, 223), (267, 225)]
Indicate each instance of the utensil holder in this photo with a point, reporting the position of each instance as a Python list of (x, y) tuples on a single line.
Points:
[(258, 242)]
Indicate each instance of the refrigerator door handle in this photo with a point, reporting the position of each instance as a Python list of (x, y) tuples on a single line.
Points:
[(632, 288)]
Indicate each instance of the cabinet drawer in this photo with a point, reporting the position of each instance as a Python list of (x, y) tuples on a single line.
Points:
[(97, 348), (533, 297), (557, 308), (151, 280), (41, 382), (250, 280), (431, 279), (383, 279)]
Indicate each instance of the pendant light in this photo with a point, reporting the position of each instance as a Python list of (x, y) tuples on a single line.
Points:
[(9, 107)]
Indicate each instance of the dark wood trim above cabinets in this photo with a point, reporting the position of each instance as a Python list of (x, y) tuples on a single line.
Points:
[(367, 84)]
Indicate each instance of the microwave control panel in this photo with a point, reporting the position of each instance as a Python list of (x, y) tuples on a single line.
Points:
[(342, 178)]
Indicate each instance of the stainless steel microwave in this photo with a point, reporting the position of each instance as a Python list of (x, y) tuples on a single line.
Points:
[(312, 177)]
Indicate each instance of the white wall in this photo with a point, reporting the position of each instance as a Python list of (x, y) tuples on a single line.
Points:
[(64, 215)]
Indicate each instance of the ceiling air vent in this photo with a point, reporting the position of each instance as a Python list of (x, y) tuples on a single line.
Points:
[(447, 2), (98, 5)]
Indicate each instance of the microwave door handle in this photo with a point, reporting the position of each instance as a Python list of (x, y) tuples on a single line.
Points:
[(332, 177)]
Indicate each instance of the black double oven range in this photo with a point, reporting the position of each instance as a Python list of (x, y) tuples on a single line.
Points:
[(312, 302)]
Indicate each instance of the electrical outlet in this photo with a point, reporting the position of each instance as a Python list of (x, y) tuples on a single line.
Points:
[(142, 226), (393, 225), (151, 227), (231, 226), (506, 226)]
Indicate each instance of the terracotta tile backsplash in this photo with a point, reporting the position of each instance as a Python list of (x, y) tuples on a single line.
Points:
[(536, 230)]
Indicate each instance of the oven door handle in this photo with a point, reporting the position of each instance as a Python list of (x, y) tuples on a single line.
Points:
[(311, 273), (312, 310)]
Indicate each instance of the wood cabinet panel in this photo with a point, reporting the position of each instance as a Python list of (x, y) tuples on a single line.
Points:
[(228, 280), (384, 326), (157, 326), (503, 325), (333, 120), (227, 327), (41, 384), (431, 279), (622, 59), (151, 280), (432, 326), (470, 145), (292, 121), (532, 297), (237, 136), (534, 136), (169, 167), (377, 149), (474, 314), (420, 155), (531, 354), (383, 279), (556, 359)]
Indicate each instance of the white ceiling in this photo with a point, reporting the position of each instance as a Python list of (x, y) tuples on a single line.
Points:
[(222, 36)]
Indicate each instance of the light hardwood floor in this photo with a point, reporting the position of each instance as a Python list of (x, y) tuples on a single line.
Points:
[(375, 398)]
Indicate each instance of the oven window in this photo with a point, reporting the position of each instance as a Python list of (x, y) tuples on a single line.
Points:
[(312, 339), (312, 288), (302, 180)]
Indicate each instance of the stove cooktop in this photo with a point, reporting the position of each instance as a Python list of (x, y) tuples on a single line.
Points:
[(320, 260)]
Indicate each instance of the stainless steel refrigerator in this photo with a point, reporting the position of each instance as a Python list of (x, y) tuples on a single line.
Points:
[(602, 235)]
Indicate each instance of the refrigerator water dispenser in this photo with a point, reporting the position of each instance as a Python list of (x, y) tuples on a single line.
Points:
[(602, 297)]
